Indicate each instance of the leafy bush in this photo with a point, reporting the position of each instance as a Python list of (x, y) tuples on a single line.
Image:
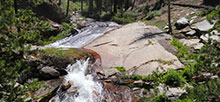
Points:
[(152, 14), (173, 78), (215, 15), (119, 18), (160, 98)]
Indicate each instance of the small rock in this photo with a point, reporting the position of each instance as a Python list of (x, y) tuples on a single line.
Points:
[(192, 13), (215, 32), (203, 26), (108, 72), (198, 46), (138, 82), (189, 42), (194, 17), (214, 77), (192, 32), (192, 43), (72, 90), (166, 27), (212, 37), (182, 23), (205, 37), (49, 72), (206, 74), (215, 38), (65, 86)]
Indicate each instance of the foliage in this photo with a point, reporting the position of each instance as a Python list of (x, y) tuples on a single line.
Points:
[(182, 49), (119, 18), (143, 99), (152, 14), (173, 78), (160, 98), (215, 15), (121, 69), (206, 92), (17, 30)]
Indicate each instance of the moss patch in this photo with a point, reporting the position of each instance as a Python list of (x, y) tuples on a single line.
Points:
[(68, 53)]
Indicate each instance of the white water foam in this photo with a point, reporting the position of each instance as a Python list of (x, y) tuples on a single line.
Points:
[(88, 89)]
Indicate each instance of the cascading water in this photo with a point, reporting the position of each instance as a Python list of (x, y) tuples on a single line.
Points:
[(83, 86), (86, 35)]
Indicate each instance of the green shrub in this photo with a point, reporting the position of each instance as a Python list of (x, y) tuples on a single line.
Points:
[(173, 78), (143, 99), (119, 18), (152, 14), (160, 98)]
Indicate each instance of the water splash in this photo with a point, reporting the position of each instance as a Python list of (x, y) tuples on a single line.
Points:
[(88, 90)]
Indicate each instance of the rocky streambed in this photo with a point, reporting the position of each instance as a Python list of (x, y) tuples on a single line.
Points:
[(80, 68)]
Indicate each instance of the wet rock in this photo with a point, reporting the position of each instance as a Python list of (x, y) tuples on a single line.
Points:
[(203, 26), (72, 90), (48, 88), (66, 85), (182, 23), (49, 72)]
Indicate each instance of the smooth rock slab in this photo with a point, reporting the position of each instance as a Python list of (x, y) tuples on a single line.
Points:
[(132, 45), (203, 26)]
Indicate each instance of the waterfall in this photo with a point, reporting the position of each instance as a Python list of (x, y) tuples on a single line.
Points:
[(83, 86)]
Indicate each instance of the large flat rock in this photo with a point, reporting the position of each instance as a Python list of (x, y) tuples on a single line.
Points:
[(134, 45)]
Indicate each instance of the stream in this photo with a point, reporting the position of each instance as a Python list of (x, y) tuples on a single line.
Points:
[(86, 35), (81, 84)]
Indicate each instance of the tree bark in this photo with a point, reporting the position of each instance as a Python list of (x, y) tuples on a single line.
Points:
[(133, 4), (16, 12), (59, 3), (115, 6), (15, 6), (67, 8), (169, 18), (91, 6), (81, 5)]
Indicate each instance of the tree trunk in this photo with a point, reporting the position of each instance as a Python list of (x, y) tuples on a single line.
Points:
[(15, 6), (91, 6), (111, 3), (115, 6), (67, 8), (16, 12), (133, 4), (169, 18), (81, 5), (59, 3), (126, 5)]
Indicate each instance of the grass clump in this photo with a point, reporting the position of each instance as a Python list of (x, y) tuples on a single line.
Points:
[(121, 69), (70, 53)]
